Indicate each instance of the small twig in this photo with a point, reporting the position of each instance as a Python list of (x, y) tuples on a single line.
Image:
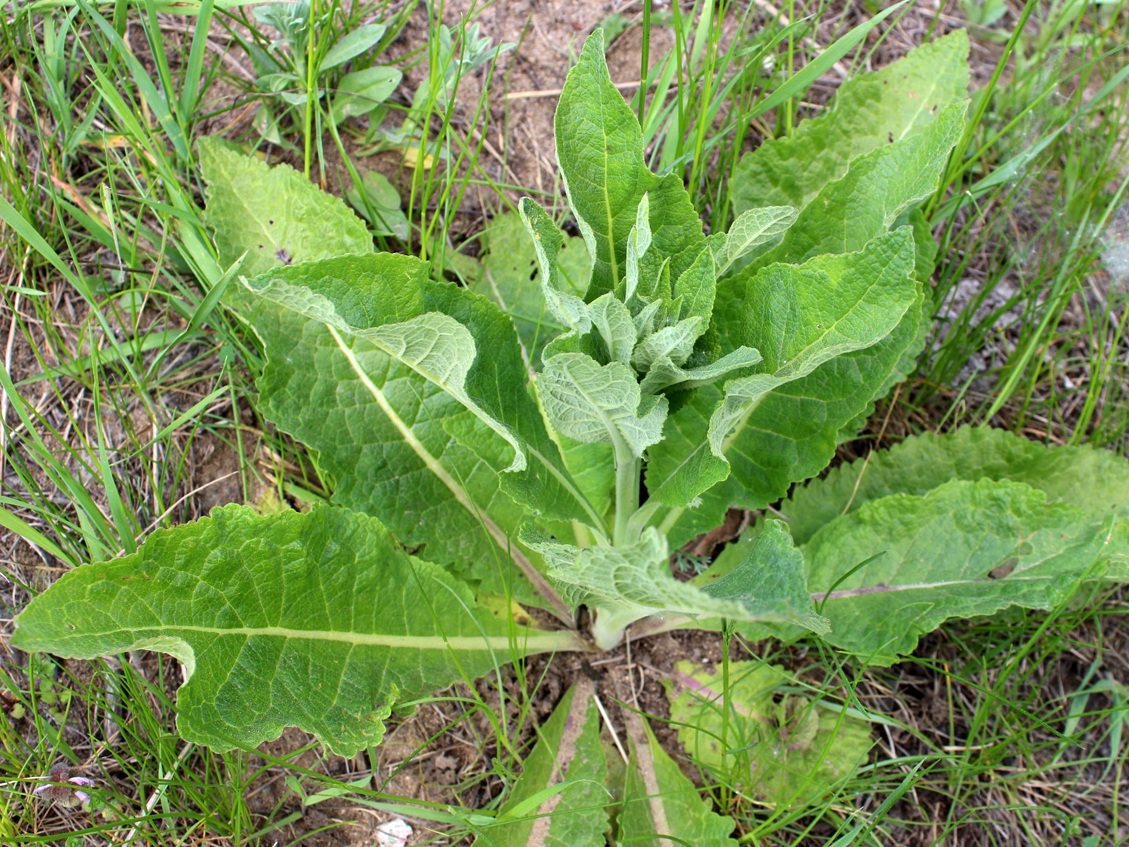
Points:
[(556, 92)]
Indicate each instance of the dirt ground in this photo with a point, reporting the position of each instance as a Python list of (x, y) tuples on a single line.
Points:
[(455, 768)]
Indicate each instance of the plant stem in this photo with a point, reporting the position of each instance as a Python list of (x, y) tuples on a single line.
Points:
[(627, 469), (311, 84)]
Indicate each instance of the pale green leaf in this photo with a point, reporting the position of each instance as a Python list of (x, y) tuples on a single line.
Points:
[(696, 288), (964, 549), (274, 214), (663, 373), (629, 582), (561, 798), (314, 620), (659, 800), (564, 306), (753, 230), (591, 402), (674, 343), (638, 243), (781, 747), (868, 111), (612, 321), (1096, 481)]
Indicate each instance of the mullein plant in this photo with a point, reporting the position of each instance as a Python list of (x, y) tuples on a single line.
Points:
[(552, 441)]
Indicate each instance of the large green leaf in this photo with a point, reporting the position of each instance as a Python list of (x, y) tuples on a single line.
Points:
[(314, 620), (779, 746), (900, 566), (562, 797), (868, 111), (764, 571), (274, 214), (1096, 481), (658, 800), (798, 318), (600, 149), (398, 442)]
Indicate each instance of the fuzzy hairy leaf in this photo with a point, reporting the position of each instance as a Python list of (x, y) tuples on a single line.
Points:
[(659, 800), (868, 111), (627, 583), (631, 582), (548, 241), (753, 230), (561, 798), (313, 620), (964, 549), (245, 212), (397, 442), (1095, 481), (796, 750), (591, 402)]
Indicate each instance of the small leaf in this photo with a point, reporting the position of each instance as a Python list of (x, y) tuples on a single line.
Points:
[(674, 343), (379, 203), (359, 92), (353, 44), (591, 402), (782, 747), (311, 620), (566, 307), (612, 321), (753, 229), (275, 215), (664, 373)]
